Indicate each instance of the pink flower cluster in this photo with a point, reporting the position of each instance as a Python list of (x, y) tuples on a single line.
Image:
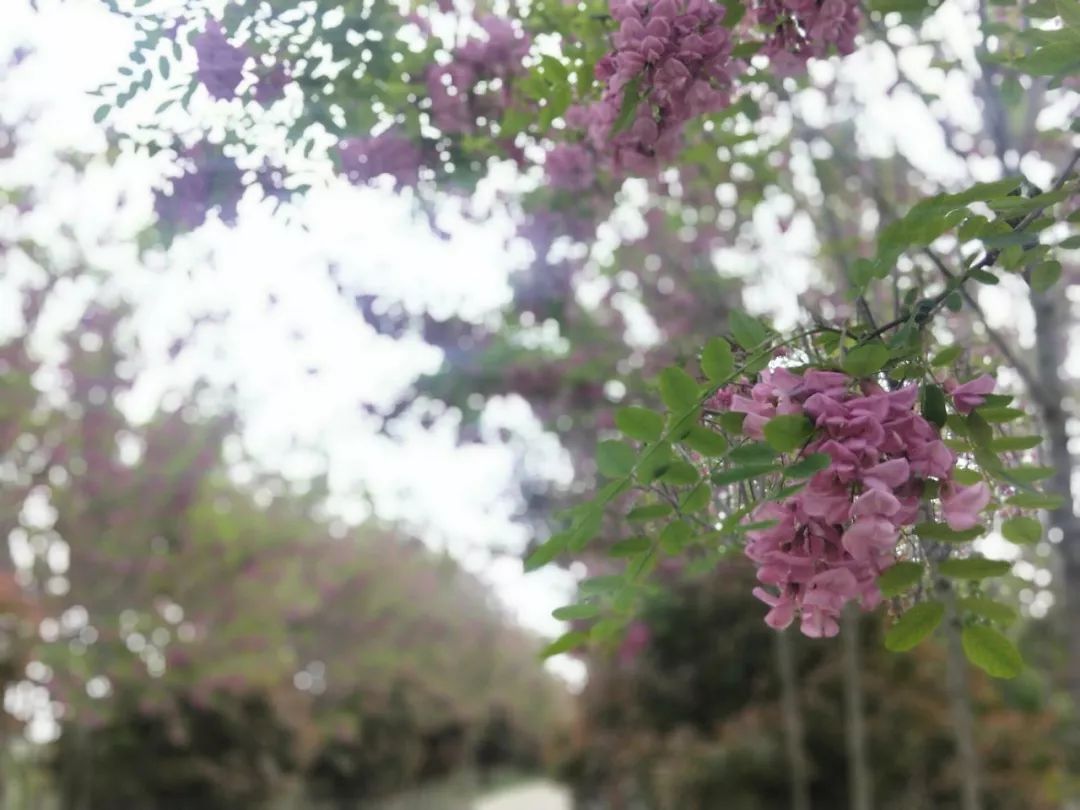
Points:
[(364, 159), (211, 180), (220, 63), (676, 55), (832, 539), (570, 166), (220, 68), (494, 59), (803, 29)]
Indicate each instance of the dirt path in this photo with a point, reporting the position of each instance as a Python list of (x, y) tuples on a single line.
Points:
[(530, 796)]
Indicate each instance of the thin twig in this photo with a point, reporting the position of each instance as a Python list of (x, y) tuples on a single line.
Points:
[(995, 337)]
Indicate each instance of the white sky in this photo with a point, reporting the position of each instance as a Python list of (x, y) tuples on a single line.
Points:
[(294, 421)]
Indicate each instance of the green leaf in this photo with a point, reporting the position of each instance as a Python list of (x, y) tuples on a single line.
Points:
[(865, 360), (630, 547), (101, 113), (1045, 276), (584, 610), (748, 331), (586, 527), (1036, 500), (163, 67), (565, 643), (991, 652), (947, 356), (933, 405), (1029, 473), (1010, 444), (674, 536), (717, 361), (654, 462), (547, 551), (997, 415), (680, 473), (705, 441), (696, 499), (678, 389), (966, 476), (649, 511), (979, 430), (1057, 58), (753, 453), (974, 568), (732, 422), (631, 99), (916, 624), (899, 577), (943, 534), (804, 468), (615, 459), (989, 609), (639, 423), (1024, 531), (787, 432), (602, 584)]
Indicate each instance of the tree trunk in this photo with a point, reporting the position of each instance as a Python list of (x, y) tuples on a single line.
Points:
[(859, 786), (963, 720), (1051, 343), (793, 725)]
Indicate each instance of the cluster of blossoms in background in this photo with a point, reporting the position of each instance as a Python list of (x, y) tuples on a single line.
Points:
[(221, 64), (805, 29), (492, 61), (211, 180), (670, 62), (673, 55), (828, 542), (390, 153)]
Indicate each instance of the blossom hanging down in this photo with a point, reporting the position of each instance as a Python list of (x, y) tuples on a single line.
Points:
[(826, 544), (803, 29), (220, 63), (389, 153), (491, 60), (671, 61)]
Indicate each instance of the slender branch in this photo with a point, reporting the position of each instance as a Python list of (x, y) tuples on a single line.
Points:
[(929, 306), (996, 338)]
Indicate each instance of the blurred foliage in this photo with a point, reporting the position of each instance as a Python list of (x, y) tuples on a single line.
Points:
[(691, 725), (208, 641)]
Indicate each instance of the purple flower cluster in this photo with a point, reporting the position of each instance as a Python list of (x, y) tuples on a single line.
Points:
[(220, 63), (832, 539), (570, 166), (271, 83), (494, 58), (804, 29), (364, 159), (212, 181), (673, 55), (221, 68)]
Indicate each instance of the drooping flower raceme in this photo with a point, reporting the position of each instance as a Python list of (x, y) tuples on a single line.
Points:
[(212, 180), (672, 59), (805, 29), (220, 63), (492, 59), (570, 166), (827, 543), (363, 159)]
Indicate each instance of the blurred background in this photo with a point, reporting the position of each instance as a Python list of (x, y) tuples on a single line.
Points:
[(270, 461)]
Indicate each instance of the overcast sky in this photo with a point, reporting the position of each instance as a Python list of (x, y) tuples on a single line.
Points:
[(303, 366)]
